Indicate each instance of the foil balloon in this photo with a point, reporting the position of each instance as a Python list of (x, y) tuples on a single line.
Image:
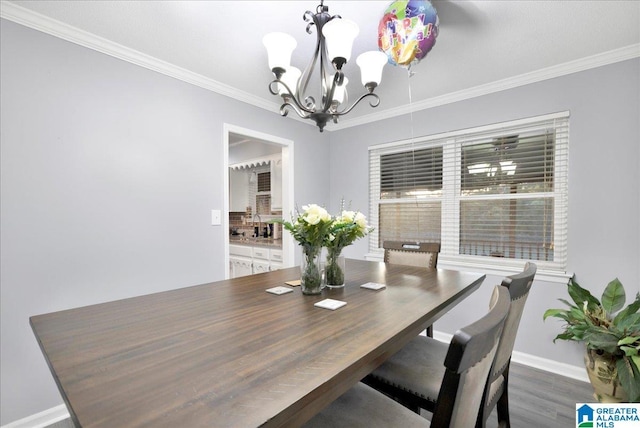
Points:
[(408, 31)]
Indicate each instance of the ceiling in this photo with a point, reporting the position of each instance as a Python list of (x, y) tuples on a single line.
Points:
[(483, 46)]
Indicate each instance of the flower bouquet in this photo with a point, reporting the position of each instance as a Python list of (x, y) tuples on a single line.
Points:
[(345, 229), (310, 228)]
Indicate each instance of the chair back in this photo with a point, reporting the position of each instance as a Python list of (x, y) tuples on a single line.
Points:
[(422, 254), (518, 286), (468, 362)]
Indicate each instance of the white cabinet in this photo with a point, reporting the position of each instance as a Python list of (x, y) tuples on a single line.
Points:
[(240, 261), (275, 260), (240, 266), (246, 260), (261, 253), (260, 267), (276, 184), (238, 190)]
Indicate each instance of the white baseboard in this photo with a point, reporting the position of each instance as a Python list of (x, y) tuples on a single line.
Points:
[(58, 413), (42, 419)]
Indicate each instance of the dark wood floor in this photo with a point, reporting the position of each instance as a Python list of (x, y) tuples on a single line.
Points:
[(536, 399), (541, 399)]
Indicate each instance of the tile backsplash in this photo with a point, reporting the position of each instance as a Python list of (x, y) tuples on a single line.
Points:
[(243, 221)]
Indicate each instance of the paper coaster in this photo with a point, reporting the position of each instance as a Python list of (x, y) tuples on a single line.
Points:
[(330, 304), (294, 283), (373, 286), (279, 290)]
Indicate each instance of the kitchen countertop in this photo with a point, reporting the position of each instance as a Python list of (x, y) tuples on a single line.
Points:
[(255, 242)]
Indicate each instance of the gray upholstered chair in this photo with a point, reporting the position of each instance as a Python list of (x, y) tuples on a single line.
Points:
[(466, 367), (412, 254), (414, 373)]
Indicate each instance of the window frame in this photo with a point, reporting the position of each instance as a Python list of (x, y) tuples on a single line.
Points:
[(452, 143)]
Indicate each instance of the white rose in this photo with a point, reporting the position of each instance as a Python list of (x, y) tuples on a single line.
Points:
[(361, 221), (314, 214), (347, 216)]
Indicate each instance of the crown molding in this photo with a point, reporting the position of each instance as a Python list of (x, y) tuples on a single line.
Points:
[(582, 64), (606, 58), (31, 19)]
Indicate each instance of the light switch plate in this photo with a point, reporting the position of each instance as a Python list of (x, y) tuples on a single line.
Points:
[(216, 219)]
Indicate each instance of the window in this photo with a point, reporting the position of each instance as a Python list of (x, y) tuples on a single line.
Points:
[(495, 195)]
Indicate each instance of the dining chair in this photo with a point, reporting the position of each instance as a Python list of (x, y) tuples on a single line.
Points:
[(411, 253), (466, 367), (421, 254), (413, 374)]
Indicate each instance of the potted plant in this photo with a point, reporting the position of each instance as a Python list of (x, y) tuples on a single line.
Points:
[(611, 335)]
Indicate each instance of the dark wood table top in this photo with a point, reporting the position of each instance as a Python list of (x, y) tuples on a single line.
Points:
[(229, 354)]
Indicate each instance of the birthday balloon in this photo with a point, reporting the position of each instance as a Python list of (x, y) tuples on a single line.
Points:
[(408, 31)]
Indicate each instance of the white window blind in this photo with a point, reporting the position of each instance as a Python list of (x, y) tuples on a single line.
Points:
[(492, 195)]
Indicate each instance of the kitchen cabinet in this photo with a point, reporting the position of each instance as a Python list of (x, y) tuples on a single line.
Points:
[(247, 260), (260, 260), (260, 267), (238, 190), (240, 266), (244, 193), (276, 184), (275, 260), (240, 261)]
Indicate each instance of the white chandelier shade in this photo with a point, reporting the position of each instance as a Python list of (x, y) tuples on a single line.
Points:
[(279, 46), (289, 78), (339, 35)]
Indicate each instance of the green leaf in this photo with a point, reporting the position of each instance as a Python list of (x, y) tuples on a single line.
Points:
[(580, 295), (628, 340), (630, 323), (565, 336), (629, 351), (629, 377), (608, 342), (613, 297), (558, 313), (636, 361), (629, 310)]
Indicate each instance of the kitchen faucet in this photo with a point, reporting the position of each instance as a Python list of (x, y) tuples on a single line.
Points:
[(259, 224)]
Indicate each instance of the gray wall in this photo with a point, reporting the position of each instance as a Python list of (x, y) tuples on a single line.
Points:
[(604, 181), (109, 173)]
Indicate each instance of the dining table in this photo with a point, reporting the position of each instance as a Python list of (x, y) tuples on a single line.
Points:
[(231, 354)]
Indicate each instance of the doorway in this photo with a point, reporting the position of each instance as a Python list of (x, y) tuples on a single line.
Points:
[(242, 144)]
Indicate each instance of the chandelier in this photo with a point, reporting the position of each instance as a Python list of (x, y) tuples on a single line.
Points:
[(335, 38)]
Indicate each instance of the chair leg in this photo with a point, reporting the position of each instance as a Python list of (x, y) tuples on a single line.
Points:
[(430, 331), (502, 406)]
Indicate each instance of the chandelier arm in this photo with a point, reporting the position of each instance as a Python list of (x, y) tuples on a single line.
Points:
[(338, 78), (271, 86), (308, 71), (305, 114), (308, 18), (289, 96), (373, 103)]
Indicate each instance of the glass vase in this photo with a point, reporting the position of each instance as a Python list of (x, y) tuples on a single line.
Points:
[(334, 269), (310, 272)]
